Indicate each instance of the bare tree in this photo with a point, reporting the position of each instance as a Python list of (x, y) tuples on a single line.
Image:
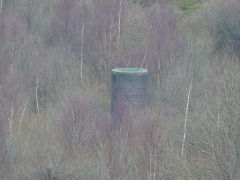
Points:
[(162, 24)]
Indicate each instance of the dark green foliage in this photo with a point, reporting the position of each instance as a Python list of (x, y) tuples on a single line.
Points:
[(188, 6)]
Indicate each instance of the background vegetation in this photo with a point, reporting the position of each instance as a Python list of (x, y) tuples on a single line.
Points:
[(56, 58)]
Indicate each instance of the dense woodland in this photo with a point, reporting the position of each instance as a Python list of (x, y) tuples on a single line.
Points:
[(56, 58)]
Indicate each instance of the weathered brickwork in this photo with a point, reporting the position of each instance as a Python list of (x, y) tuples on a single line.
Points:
[(129, 90)]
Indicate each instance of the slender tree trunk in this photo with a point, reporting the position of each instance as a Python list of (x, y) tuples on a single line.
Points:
[(155, 164), (159, 71), (105, 54), (13, 55), (110, 40), (150, 166), (172, 52), (10, 119), (23, 112), (82, 46), (36, 96), (119, 23), (186, 119), (145, 54), (100, 59)]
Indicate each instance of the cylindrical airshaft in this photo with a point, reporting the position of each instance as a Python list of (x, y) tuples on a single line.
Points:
[(129, 91)]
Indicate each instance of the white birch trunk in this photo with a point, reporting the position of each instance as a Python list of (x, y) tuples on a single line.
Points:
[(186, 120), (36, 94), (119, 23), (23, 112), (82, 46)]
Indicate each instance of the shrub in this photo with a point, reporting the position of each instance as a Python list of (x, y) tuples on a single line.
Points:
[(223, 22)]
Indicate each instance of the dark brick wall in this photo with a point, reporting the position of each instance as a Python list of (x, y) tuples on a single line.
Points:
[(128, 92)]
